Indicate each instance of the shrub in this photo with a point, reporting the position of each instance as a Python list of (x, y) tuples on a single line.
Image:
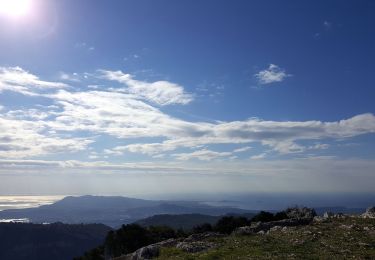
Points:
[(160, 233), (263, 216), (280, 215), (206, 227), (226, 225)]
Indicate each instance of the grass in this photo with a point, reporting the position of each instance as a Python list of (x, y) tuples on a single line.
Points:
[(352, 238)]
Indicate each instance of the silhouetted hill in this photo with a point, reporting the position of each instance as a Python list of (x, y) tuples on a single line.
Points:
[(183, 221), (111, 211), (20, 241)]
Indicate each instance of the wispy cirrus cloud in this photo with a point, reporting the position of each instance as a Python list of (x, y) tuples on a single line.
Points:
[(18, 80), (280, 136), (159, 92), (271, 75), (208, 155), (203, 155)]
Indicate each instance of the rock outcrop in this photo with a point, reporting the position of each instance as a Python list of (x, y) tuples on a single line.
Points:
[(257, 227), (192, 244), (150, 251), (197, 242), (370, 213), (298, 213)]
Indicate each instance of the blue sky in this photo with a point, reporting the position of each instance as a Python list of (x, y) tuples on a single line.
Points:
[(167, 96)]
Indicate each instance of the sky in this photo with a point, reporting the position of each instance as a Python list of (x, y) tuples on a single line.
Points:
[(150, 97)]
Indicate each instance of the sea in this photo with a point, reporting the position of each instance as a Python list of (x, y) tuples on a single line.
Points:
[(21, 202)]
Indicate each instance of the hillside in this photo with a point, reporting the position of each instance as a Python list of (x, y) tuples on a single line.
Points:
[(19, 241), (294, 233), (331, 239), (111, 211)]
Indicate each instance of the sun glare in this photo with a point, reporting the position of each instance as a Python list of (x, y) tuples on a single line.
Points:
[(15, 8)]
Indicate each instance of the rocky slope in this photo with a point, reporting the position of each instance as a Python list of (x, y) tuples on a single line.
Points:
[(333, 236)]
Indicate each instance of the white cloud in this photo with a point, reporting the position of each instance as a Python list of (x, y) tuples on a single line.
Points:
[(18, 80), (208, 155), (280, 136), (242, 149), (21, 139), (159, 92), (29, 114), (203, 155), (273, 74), (258, 156), (128, 116), (74, 77), (319, 146), (124, 116)]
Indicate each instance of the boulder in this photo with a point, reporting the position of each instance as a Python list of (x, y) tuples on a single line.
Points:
[(328, 214), (150, 251), (297, 213), (143, 253), (370, 213)]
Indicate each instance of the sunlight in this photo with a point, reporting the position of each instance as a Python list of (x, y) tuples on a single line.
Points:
[(15, 8)]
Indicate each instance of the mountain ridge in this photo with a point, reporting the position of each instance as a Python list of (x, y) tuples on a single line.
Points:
[(111, 210)]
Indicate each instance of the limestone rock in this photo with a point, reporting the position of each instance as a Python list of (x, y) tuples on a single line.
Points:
[(150, 251), (197, 246), (297, 212), (370, 213), (328, 214), (266, 226)]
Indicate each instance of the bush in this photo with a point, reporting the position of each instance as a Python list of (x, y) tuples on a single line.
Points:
[(126, 239), (160, 233), (263, 216), (280, 215), (226, 225), (131, 237), (206, 227)]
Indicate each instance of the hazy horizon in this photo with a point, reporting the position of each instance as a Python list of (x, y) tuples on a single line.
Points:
[(250, 201)]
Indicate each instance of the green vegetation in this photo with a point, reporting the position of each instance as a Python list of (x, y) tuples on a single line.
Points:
[(128, 239), (334, 239), (56, 241), (227, 224), (131, 237)]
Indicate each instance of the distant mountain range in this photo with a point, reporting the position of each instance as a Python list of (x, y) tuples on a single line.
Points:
[(111, 211), (20, 241)]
